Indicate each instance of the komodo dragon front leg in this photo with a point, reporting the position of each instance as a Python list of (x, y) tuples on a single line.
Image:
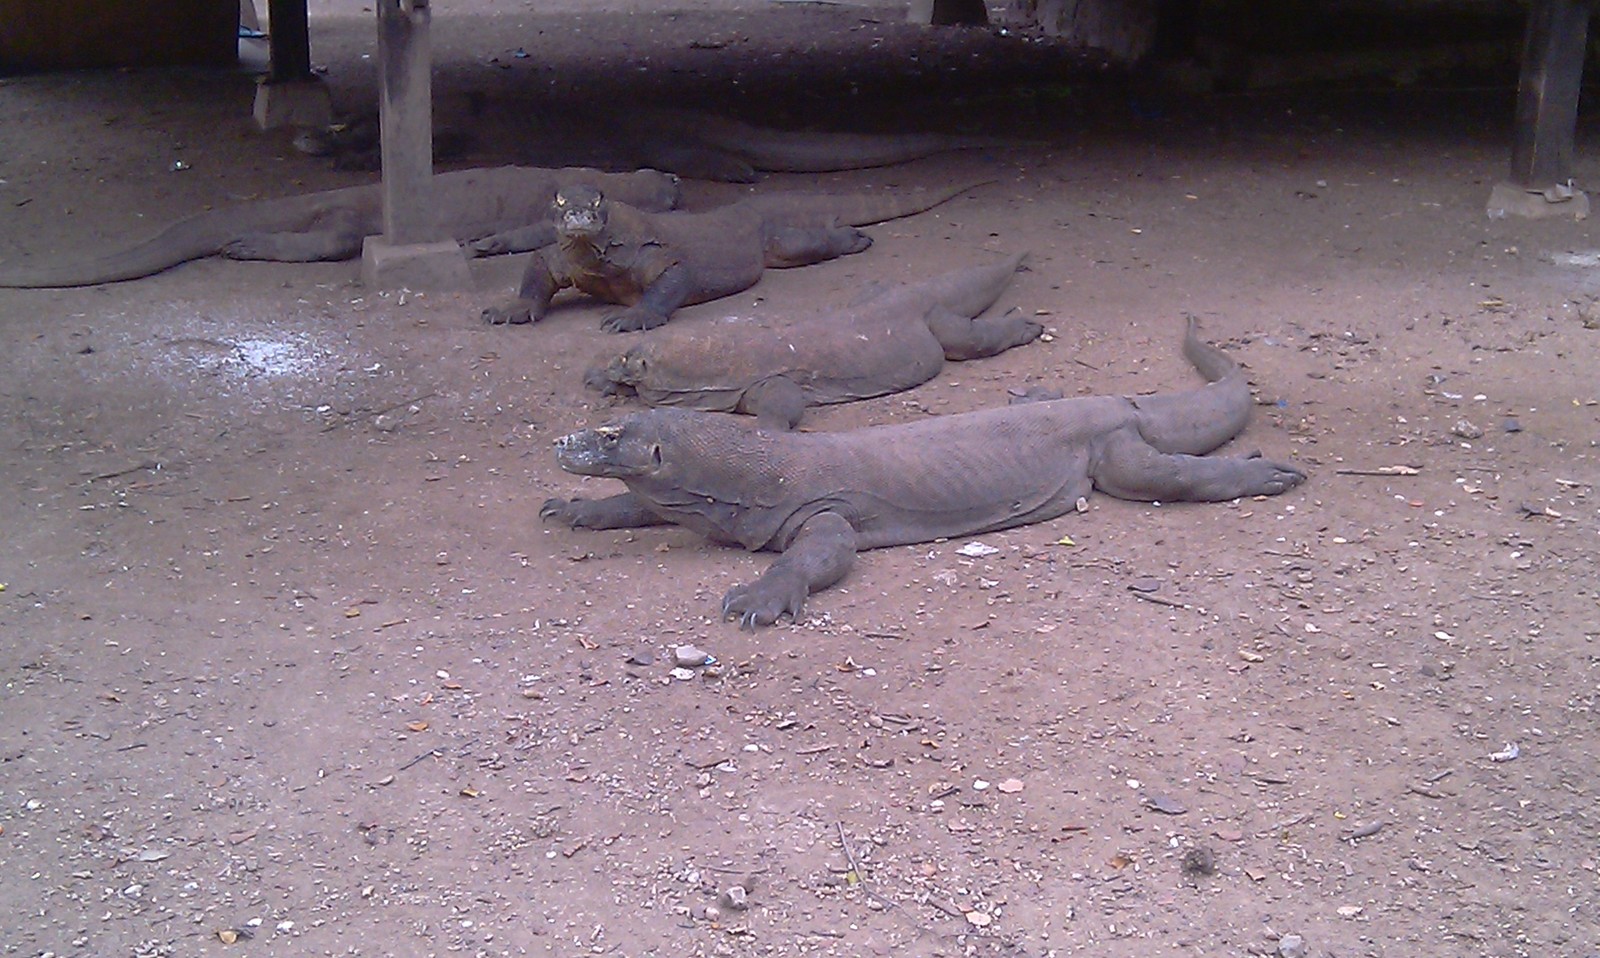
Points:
[(1130, 468), (622, 511), (820, 554), (963, 338)]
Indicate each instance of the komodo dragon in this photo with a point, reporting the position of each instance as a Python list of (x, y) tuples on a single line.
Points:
[(773, 368), (509, 203), (709, 147), (818, 497), (654, 263)]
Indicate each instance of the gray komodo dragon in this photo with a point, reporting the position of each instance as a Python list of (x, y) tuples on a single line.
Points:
[(653, 263), (709, 147), (774, 367), (510, 205), (819, 497)]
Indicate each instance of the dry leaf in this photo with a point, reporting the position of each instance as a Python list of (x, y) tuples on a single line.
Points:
[(351, 612), (417, 726), (227, 936)]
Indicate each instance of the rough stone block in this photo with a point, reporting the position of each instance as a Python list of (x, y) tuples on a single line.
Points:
[(438, 267), (1564, 202), (292, 103)]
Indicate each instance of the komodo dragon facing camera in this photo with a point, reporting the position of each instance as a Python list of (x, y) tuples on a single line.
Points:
[(654, 263), (508, 204), (819, 497), (773, 368)]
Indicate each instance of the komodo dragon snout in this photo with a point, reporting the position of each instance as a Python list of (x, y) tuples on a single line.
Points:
[(614, 451), (580, 211)]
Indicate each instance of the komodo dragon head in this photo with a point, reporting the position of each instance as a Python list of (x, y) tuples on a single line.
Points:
[(619, 375), (580, 212)]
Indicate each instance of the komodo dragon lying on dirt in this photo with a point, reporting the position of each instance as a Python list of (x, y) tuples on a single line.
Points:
[(818, 497), (509, 203), (709, 147), (702, 146), (654, 263), (773, 368)]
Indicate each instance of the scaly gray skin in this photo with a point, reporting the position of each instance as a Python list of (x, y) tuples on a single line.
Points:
[(708, 147), (653, 263), (503, 209), (774, 367), (817, 498)]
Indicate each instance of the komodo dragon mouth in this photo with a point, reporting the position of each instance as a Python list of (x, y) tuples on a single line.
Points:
[(612, 451)]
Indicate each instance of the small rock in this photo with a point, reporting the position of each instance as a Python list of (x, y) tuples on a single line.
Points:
[(1291, 946), (645, 657), (734, 898), (689, 657), (1145, 584), (1511, 424), (1466, 430), (1165, 804), (977, 550), (683, 675), (1199, 860)]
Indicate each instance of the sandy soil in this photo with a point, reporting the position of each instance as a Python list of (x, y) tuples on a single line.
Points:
[(290, 658)]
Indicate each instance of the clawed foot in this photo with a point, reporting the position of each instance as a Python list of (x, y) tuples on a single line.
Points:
[(513, 313), (633, 319), (763, 602), (1269, 478), (568, 512), (489, 246)]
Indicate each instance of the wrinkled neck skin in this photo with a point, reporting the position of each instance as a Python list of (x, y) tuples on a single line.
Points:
[(584, 249)]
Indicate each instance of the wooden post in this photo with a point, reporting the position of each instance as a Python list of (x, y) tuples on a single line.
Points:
[(405, 114), (1547, 92), (289, 41)]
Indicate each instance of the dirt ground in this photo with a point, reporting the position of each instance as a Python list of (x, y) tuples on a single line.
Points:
[(292, 667)]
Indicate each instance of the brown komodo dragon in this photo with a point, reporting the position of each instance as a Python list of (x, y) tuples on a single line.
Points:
[(818, 497), (510, 205), (653, 263), (774, 367)]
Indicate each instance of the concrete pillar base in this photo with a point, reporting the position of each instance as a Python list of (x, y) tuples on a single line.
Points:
[(438, 267), (1558, 202), (292, 103)]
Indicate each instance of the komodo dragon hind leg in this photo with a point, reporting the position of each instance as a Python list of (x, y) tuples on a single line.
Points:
[(777, 403), (1130, 468), (820, 554), (338, 238), (805, 245), (622, 511), (981, 336)]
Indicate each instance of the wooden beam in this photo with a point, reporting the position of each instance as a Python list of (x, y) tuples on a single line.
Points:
[(1547, 93), (289, 42), (405, 115)]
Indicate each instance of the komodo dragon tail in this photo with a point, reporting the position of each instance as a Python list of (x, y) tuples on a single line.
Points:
[(1196, 421), (853, 209), (187, 239)]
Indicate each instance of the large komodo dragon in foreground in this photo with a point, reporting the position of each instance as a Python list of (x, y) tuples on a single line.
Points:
[(509, 205), (774, 367), (654, 263), (818, 497)]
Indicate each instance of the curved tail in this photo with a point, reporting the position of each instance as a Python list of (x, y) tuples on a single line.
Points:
[(1196, 421), (854, 209), (187, 239)]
